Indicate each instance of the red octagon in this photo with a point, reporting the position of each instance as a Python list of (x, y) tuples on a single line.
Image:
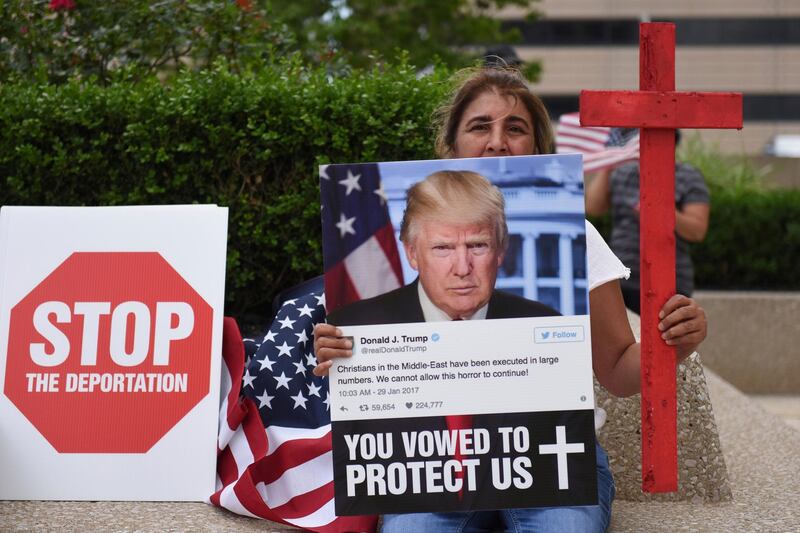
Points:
[(117, 394)]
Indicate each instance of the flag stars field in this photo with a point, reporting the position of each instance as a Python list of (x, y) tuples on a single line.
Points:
[(293, 406), (381, 193), (302, 337), (299, 400), (351, 182), (266, 363), (283, 381), (301, 368), (284, 349), (313, 390), (345, 225), (305, 311), (287, 323), (265, 400), (247, 379)]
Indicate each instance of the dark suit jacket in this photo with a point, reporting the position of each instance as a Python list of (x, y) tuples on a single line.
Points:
[(402, 305)]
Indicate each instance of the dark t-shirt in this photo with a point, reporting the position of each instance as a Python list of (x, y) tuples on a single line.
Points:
[(689, 188)]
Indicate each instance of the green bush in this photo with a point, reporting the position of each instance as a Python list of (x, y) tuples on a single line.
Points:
[(252, 142), (249, 142), (55, 40), (753, 241)]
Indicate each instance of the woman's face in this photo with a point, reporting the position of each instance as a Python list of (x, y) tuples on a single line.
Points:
[(494, 125)]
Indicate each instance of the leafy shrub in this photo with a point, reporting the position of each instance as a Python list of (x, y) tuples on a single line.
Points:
[(253, 142), (753, 240), (250, 142), (55, 40)]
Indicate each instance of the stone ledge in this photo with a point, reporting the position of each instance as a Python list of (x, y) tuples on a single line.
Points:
[(763, 464), (759, 449), (702, 476), (753, 339)]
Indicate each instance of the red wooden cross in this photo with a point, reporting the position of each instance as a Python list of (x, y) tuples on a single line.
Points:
[(658, 110)]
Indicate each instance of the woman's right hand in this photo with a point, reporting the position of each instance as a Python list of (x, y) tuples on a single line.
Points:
[(329, 344)]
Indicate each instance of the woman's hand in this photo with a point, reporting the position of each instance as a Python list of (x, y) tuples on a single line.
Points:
[(682, 324), (329, 344)]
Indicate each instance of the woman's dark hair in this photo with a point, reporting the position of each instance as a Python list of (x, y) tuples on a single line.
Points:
[(503, 81)]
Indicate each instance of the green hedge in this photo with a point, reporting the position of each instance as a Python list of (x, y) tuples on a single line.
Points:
[(253, 142), (249, 142), (753, 241)]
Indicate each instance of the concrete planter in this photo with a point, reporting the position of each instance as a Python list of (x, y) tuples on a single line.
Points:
[(753, 339)]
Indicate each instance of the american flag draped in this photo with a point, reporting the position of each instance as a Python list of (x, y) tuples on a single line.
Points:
[(602, 148), (274, 445)]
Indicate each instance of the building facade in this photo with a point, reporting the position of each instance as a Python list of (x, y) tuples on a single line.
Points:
[(746, 46)]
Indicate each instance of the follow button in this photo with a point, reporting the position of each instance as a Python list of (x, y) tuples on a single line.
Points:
[(558, 334)]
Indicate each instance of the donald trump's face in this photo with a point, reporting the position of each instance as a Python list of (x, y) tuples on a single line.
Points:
[(457, 264)]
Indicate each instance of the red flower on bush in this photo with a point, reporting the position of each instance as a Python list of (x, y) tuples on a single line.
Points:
[(58, 5)]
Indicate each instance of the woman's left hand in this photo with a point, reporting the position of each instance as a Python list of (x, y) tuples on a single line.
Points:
[(682, 324)]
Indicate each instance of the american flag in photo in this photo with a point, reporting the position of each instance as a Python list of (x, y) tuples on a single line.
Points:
[(274, 446), (601, 147), (360, 254)]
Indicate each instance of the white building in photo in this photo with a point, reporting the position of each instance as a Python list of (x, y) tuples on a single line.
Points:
[(546, 255)]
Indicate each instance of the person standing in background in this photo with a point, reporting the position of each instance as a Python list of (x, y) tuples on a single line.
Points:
[(617, 190)]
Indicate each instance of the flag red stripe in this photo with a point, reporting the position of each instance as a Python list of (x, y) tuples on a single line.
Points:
[(254, 429), (214, 499), (596, 135), (289, 455), (339, 290), (227, 469), (298, 507), (233, 356), (250, 498), (566, 147), (385, 237), (305, 504)]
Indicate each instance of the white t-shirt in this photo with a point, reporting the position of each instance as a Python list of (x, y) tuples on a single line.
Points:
[(603, 265)]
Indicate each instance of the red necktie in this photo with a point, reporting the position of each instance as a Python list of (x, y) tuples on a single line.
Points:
[(455, 423)]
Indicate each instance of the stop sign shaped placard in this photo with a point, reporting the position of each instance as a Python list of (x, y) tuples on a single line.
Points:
[(109, 352)]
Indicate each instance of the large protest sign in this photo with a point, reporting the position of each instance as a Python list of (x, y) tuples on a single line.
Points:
[(487, 414), (110, 346)]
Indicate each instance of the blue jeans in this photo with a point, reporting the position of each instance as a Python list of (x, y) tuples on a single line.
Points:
[(588, 518)]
